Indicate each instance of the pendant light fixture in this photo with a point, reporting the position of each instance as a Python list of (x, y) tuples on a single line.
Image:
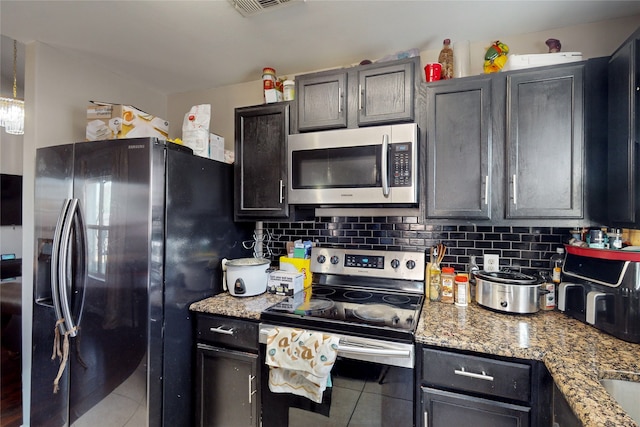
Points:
[(12, 109)]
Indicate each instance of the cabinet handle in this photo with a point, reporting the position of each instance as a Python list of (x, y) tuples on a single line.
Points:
[(486, 189), (359, 97), (220, 330), (281, 191), (515, 198), (425, 421), (339, 100), (482, 376), (251, 392)]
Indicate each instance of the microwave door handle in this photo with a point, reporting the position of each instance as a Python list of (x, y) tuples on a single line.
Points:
[(385, 165)]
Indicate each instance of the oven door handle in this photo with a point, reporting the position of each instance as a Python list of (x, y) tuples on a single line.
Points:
[(366, 351)]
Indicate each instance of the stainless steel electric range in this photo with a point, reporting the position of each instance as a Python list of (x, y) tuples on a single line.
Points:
[(372, 301)]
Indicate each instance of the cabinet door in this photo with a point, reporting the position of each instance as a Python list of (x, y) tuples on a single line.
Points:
[(228, 388), (624, 153), (444, 409), (545, 143), (386, 94), (261, 162), (458, 182), (322, 101)]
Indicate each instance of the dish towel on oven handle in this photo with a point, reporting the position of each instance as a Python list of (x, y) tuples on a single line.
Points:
[(300, 361)]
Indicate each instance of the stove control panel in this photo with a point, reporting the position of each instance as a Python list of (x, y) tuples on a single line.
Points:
[(357, 262), (364, 261)]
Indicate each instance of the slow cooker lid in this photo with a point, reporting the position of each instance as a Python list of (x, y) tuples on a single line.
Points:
[(243, 262), (510, 277)]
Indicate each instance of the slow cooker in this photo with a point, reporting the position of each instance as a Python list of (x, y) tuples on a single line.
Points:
[(245, 277), (508, 291)]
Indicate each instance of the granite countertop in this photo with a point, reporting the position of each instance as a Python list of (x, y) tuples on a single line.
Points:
[(577, 355), (227, 305)]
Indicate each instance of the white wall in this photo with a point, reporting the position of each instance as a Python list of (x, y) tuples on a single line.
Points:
[(593, 40), (58, 86)]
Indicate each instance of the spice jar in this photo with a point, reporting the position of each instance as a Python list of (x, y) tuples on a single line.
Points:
[(288, 90), (462, 292), (447, 278)]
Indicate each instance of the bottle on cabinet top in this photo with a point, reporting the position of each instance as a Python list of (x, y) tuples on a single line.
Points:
[(446, 59)]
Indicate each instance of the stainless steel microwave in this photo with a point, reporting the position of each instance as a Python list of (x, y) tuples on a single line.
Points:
[(372, 165)]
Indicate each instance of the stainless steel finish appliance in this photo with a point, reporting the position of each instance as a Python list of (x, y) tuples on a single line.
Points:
[(129, 233), (508, 291), (372, 165), (601, 287), (371, 300)]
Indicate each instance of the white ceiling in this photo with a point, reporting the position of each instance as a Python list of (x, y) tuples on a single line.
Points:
[(183, 45)]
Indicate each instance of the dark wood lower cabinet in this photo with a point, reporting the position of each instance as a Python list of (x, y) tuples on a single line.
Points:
[(227, 377), (227, 392), (442, 408), (461, 388)]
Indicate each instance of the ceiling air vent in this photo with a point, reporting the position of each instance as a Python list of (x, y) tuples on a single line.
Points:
[(253, 7)]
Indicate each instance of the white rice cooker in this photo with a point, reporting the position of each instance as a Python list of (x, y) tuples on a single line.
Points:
[(245, 277)]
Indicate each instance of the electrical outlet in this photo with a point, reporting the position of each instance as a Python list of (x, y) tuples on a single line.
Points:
[(491, 262)]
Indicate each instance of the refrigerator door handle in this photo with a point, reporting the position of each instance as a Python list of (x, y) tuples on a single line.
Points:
[(55, 263), (73, 217)]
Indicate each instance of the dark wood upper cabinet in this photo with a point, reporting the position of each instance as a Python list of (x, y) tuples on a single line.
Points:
[(545, 143), (261, 162), (322, 101), (386, 93), (624, 152), (459, 176), (518, 145), (363, 95)]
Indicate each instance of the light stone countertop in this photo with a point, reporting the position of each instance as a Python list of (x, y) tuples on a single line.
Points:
[(577, 355)]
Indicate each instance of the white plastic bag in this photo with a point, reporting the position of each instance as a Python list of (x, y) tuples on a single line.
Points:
[(195, 129)]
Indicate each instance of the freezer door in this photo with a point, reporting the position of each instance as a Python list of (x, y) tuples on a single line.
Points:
[(107, 361), (53, 186)]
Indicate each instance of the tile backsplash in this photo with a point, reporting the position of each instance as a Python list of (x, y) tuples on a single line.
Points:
[(527, 249)]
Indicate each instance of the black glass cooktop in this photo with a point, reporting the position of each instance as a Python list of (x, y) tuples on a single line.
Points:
[(350, 310)]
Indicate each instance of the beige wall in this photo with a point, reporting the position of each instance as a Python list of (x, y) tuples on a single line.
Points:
[(593, 40)]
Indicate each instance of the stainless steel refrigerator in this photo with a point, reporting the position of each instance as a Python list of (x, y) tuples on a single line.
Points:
[(128, 233)]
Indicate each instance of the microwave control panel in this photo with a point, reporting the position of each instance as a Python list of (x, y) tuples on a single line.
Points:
[(401, 161)]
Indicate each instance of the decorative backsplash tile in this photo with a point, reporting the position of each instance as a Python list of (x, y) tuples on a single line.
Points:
[(527, 249)]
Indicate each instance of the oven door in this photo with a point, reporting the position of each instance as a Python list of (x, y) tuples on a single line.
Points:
[(374, 165), (372, 384)]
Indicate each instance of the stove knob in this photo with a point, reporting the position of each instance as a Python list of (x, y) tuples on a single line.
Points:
[(334, 259), (503, 304), (395, 319), (395, 263), (411, 264), (321, 259)]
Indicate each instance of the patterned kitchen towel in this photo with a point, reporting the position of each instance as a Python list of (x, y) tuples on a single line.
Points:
[(300, 361)]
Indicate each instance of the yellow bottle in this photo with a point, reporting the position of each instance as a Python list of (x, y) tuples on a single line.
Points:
[(434, 282)]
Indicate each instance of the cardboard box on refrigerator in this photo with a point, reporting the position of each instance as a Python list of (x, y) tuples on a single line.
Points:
[(115, 121), (300, 265)]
